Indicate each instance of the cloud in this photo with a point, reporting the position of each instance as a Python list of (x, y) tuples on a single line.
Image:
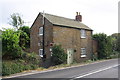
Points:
[(98, 14)]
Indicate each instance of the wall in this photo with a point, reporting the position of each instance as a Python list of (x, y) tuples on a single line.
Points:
[(70, 38), (95, 47), (67, 37), (35, 38), (34, 34)]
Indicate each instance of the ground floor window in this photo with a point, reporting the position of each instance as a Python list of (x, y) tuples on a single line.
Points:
[(41, 52), (83, 52)]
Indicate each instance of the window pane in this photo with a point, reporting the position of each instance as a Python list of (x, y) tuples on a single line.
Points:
[(83, 33), (41, 30), (83, 52), (41, 52)]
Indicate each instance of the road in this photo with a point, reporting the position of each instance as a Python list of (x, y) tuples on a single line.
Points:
[(104, 69)]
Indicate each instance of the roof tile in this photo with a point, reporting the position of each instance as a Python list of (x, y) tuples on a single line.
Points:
[(57, 20)]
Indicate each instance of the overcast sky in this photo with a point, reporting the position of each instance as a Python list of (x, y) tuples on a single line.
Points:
[(100, 15)]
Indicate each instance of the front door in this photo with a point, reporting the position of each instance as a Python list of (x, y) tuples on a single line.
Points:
[(69, 56)]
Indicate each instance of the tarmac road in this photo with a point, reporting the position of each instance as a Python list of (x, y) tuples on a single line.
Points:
[(104, 69)]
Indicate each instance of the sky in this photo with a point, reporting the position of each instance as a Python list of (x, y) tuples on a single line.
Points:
[(100, 15)]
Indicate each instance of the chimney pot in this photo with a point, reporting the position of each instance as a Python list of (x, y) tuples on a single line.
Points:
[(76, 13), (78, 17)]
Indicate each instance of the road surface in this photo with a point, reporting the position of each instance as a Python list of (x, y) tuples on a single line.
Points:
[(104, 69)]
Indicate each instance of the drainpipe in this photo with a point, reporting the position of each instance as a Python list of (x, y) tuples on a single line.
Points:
[(44, 55)]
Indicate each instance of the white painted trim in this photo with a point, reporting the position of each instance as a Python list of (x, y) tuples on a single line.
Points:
[(40, 52), (83, 33), (41, 28)]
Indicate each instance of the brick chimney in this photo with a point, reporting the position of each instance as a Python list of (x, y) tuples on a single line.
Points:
[(78, 17)]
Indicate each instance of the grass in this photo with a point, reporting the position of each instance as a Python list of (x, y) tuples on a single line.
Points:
[(60, 66), (67, 65)]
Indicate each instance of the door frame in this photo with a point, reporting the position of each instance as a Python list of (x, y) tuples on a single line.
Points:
[(70, 53)]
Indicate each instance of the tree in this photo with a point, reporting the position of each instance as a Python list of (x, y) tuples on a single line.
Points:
[(116, 41), (104, 45), (24, 37), (10, 44), (16, 20)]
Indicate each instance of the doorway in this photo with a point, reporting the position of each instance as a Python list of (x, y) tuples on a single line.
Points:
[(70, 56)]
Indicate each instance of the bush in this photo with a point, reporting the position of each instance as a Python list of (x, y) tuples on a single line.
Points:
[(11, 68), (10, 44), (94, 57), (29, 61), (31, 58), (5, 69), (58, 55), (104, 45)]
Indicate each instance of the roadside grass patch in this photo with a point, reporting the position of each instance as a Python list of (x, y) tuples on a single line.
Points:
[(29, 61)]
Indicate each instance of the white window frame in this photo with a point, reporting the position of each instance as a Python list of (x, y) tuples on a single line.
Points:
[(83, 33), (38, 44), (83, 52), (41, 52), (41, 31)]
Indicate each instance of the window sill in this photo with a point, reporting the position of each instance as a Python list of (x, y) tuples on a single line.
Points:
[(83, 37), (40, 34), (41, 55), (83, 56)]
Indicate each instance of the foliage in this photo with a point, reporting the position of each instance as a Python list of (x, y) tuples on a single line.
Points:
[(29, 61), (25, 29), (31, 58), (58, 56), (116, 42), (109, 46), (94, 57), (24, 37), (10, 43), (13, 67), (115, 54), (104, 45), (16, 20)]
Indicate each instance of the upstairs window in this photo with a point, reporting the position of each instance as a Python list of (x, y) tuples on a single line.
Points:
[(83, 52), (41, 52), (83, 33), (41, 31)]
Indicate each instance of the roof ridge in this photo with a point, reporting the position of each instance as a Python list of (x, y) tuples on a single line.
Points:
[(54, 19), (58, 16)]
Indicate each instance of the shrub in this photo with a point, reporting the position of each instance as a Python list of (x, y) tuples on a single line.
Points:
[(31, 58), (29, 61), (11, 68), (58, 55), (94, 57), (5, 69), (34, 66), (104, 45), (10, 43)]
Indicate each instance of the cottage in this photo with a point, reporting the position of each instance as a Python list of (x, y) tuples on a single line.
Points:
[(74, 36)]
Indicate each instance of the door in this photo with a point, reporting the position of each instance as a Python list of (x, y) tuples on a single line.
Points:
[(69, 56)]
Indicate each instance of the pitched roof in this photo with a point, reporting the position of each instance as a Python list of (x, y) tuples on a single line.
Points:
[(57, 20)]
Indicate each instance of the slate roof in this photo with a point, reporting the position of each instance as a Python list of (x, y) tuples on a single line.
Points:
[(57, 20)]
